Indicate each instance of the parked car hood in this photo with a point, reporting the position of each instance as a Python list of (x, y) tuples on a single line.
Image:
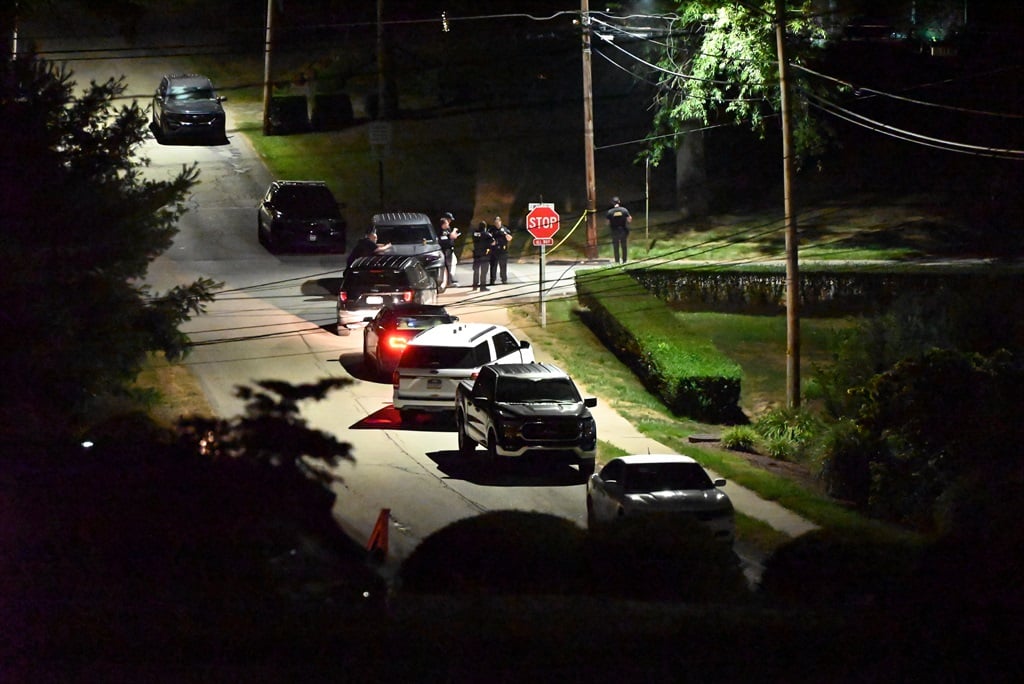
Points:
[(571, 409), (680, 500), (193, 106)]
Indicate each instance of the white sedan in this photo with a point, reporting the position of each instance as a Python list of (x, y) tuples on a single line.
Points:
[(659, 483)]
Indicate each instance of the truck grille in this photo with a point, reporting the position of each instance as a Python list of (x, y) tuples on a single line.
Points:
[(552, 430)]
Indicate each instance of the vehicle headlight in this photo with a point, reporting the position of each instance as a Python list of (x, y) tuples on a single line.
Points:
[(588, 428)]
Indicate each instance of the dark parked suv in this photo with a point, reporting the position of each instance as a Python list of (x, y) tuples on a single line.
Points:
[(413, 234), (186, 105), (373, 281), (300, 215)]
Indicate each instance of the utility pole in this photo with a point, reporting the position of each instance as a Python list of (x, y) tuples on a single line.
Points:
[(588, 134), (792, 239), (267, 41)]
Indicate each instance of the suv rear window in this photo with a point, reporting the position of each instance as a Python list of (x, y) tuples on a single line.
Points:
[(423, 356), (376, 276), (305, 202)]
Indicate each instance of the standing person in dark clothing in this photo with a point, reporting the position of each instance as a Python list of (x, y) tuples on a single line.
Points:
[(483, 242), (367, 246), (618, 221), (499, 256), (449, 233)]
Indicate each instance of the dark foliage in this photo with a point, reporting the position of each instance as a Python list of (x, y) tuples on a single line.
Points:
[(510, 552), (79, 226), (830, 569), (141, 553), (663, 558), (499, 553)]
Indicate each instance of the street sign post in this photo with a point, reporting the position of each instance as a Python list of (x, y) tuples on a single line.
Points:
[(542, 223)]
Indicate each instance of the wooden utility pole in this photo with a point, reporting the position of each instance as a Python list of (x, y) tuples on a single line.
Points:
[(792, 239), (588, 134), (267, 41)]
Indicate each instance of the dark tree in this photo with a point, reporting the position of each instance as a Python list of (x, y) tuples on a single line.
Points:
[(79, 226)]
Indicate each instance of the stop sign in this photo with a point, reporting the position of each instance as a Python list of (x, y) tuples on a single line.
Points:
[(542, 222)]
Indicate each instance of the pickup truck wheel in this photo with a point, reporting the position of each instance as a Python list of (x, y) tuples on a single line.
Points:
[(492, 451), (466, 445)]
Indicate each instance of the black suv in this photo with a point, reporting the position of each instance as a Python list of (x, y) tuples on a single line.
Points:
[(186, 105), (373, 281), (413, 234), (300, 215)]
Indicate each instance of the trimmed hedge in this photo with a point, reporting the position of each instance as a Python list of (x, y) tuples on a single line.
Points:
[(825, 291), (687, 372)]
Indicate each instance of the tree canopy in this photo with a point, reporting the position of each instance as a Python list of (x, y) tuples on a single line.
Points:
[(79, 226), (720, 65)]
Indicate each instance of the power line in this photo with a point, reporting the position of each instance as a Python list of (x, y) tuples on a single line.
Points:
[(907, 99), (909, 136)]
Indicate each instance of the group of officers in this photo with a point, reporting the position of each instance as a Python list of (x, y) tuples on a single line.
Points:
[(490, 251), (491, 242)]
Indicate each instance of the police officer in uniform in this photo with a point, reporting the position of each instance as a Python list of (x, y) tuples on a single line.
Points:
[(483, 243), (618, 221), (499, 257)]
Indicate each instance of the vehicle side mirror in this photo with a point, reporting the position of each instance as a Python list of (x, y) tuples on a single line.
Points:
[(222, 98), (524, 344), (719, 482), (368, 319), (590, 402)]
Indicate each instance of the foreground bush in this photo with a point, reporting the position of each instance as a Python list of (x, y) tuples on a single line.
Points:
[(500, 552), (651, 558)]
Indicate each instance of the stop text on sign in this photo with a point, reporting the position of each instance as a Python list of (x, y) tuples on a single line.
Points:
[(542, 222)]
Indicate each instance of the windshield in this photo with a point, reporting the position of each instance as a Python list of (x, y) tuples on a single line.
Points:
[(655, 477), (183, 94), (417, 234), (375, 276), (305, 202), (526, 390), (420, 322)]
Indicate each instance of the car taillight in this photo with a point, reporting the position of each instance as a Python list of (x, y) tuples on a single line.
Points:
[(407, 296), (396, 342), (394, 378), (342, 296)]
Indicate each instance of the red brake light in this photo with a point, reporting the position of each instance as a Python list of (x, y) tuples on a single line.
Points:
[(407, 296), (396, 342), (343, 296)]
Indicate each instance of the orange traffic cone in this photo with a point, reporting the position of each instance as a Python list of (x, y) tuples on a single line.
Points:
[(378, 544)]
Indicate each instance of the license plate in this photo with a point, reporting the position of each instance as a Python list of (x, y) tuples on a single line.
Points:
[(434, 383), (312, 237), (373, 299)]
